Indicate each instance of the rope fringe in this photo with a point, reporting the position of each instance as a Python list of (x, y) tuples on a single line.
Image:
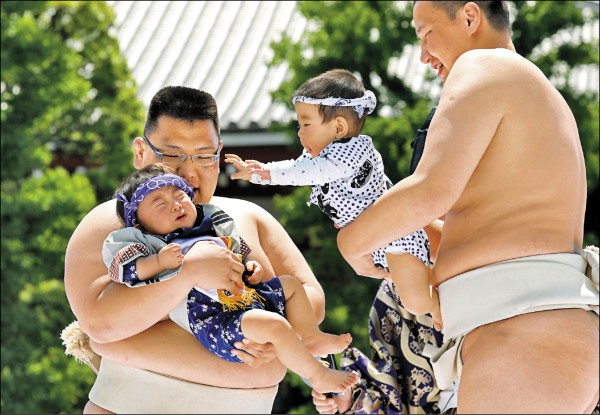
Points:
[(239, 302)]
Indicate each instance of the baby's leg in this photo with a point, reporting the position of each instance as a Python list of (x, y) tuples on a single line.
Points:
[(411, 278), (300, 315), (264, 326)]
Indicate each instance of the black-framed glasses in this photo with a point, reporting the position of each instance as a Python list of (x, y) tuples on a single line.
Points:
[(177, 159)]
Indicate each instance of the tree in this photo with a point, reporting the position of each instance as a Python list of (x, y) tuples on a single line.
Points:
[(363, 37), (67, 95)]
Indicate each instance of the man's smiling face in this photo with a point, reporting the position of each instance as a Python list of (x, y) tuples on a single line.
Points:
[(442, 40)]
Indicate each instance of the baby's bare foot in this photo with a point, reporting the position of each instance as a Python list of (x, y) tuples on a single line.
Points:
[(325, 343), (330, 380)]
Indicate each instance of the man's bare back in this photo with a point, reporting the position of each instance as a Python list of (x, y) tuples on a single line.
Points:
[(526, 195)]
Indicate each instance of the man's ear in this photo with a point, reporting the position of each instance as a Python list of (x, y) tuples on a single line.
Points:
[(139, 147), (471, 14), (341, 127)]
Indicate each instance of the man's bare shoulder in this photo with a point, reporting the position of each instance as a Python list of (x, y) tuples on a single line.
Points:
[(246, 214), (491, 67), (83, 257), (95, 226), (483, 55), (234, 205), (104, 216), (490, 77)]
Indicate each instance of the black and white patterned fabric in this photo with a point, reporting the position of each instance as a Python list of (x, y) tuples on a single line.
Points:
[(346, 178)]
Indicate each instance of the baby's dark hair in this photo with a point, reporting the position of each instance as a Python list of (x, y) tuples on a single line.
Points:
[(336, 83), (136, 178)]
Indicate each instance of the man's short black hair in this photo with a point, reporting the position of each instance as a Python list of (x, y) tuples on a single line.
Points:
[(181, 103), (495, 11)]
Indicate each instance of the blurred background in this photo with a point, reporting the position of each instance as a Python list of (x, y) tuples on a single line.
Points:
[(77, 78)]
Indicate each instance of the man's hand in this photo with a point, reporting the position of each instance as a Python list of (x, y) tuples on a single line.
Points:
[(336, 404), (214, 267), (246, 168), (256, 272), (364, 267), (363, 264), (170, 256), (254, 354)]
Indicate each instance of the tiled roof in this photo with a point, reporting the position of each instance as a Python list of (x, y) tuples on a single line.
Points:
[(223, 47)]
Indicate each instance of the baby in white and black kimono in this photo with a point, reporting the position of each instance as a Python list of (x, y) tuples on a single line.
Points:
[(347, 175)]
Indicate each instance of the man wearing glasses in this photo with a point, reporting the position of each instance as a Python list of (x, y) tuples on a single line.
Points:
[(177, 159), (182, 130)]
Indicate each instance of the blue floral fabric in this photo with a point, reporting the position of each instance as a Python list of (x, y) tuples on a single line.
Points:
[(216, 329), (397, 379)]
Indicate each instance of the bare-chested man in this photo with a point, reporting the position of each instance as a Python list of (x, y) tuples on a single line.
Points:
[(182, 130), (503, 163)]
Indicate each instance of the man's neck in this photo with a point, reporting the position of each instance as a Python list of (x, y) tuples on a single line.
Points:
[(496, 40)]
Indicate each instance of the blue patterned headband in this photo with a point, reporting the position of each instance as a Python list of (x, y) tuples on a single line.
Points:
[(148, 187), (367, 101)]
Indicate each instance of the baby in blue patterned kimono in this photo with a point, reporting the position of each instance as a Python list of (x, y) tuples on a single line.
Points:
[(347, 175), (162, 224)]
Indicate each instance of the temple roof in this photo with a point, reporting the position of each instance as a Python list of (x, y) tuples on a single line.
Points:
[(223, 47)]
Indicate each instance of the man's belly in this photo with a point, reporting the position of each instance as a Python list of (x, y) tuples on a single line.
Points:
[(464, 247)]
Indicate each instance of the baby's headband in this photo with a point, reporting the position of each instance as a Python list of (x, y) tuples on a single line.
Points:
[(367, 101), (148, 187)]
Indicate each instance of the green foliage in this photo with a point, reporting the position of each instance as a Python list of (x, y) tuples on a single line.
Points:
[(38, 218), (363, 37), (543, 20), (66, 91), (355, 35), (392, 137), (538, 22), (67, 94)]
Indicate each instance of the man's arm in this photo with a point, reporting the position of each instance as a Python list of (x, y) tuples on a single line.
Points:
[(465, 122), (286, 259), (109, 312), (273, 248), (168, 349)]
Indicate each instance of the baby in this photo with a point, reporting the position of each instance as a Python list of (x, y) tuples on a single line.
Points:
[(161, 224), (346, 173)]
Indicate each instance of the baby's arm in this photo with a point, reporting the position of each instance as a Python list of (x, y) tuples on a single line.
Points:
[(168, 257), (301, 172)]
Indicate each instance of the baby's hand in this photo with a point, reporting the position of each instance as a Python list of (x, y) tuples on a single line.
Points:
[(255, 271), (245, 168), (170, 256), (264, 174)]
